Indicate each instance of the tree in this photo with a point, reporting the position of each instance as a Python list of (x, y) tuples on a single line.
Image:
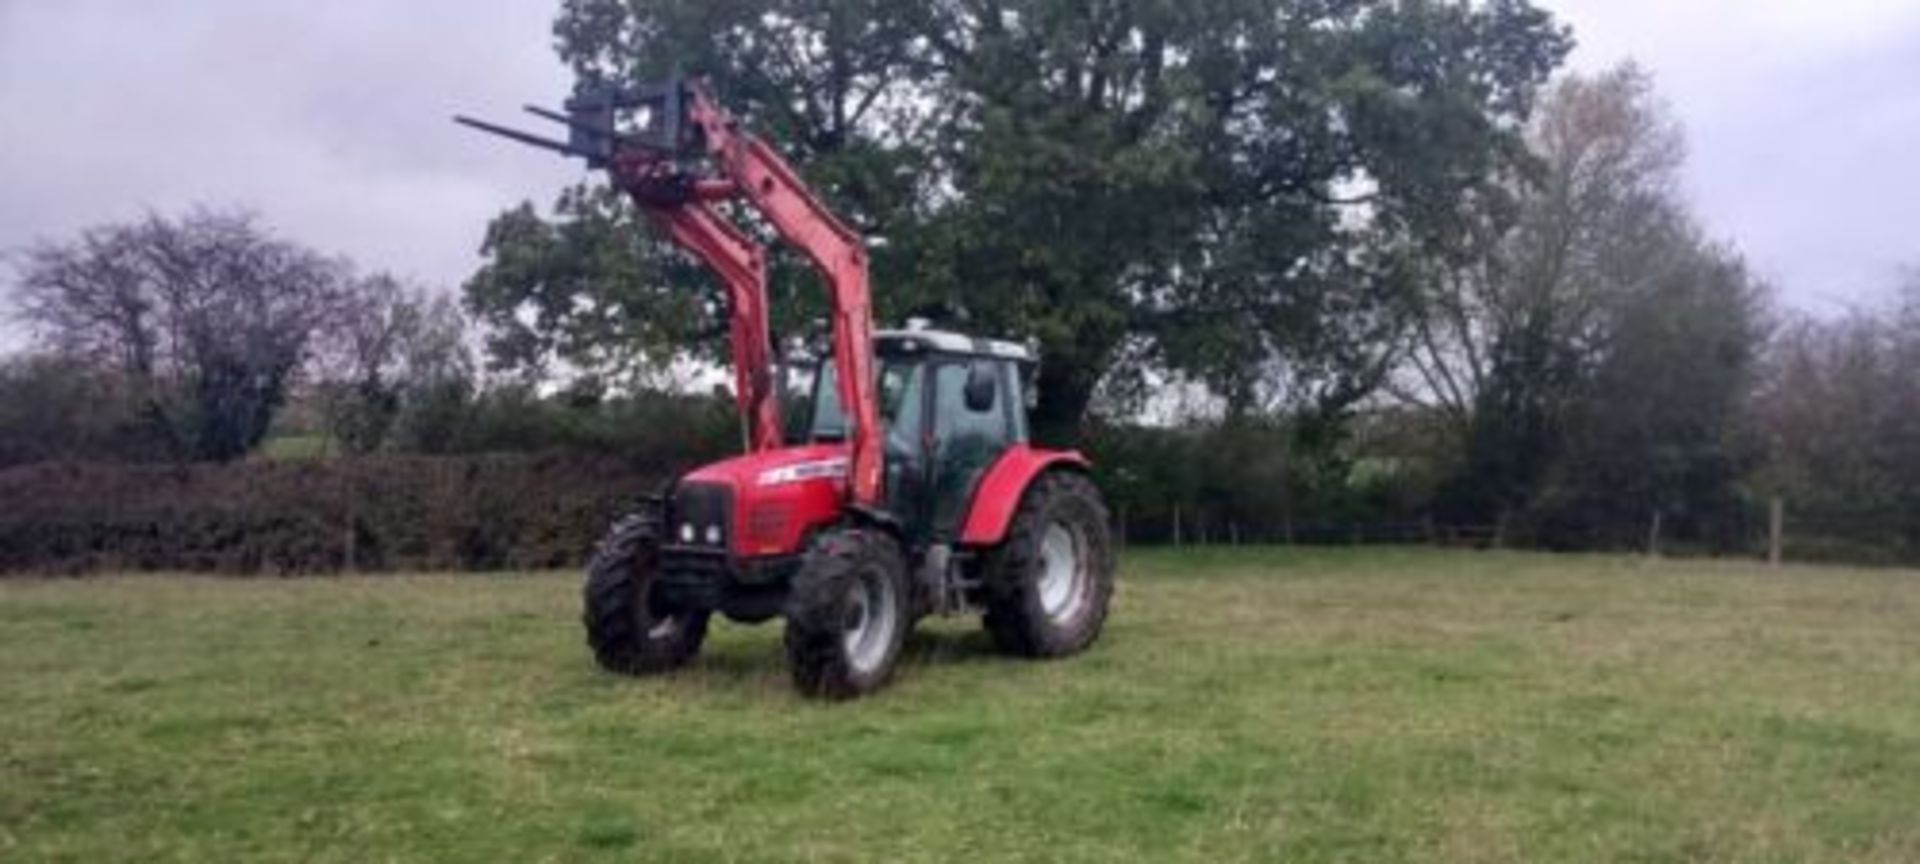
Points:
[(53, 407), (1577, 328), (438, 385), (395, 351), (1837, 413), (207, 316), (1201, 188), (1656, 429), (587, 291), (1529, 263)]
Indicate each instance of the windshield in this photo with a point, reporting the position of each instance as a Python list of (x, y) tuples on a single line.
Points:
[(899, 387)]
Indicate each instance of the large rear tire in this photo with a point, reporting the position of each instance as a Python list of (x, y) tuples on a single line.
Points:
[(628, 628), (1049, 583), (847, 614)]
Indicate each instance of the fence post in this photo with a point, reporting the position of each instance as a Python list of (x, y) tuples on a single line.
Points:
[(1653, 536), (1233, 533), (350, 551), (1776, 523), (1176, 525)]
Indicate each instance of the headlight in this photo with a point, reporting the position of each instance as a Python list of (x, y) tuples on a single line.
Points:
[(686, 532), (713, 534)]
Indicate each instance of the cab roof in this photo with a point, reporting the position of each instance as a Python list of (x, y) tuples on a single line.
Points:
[(948, 342)]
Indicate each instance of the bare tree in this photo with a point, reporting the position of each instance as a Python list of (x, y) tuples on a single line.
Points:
[(393, 347), (1838, 411), (208, 315), (1585, 342), (1588, 215)]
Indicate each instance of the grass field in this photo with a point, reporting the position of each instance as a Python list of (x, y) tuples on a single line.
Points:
[(1244, 705)]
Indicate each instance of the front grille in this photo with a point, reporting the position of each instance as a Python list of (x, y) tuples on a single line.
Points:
[(693, 577), (693, 572), (768, 523), (702, 506)]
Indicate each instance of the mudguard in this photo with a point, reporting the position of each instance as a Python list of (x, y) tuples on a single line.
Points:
[(998, 496)]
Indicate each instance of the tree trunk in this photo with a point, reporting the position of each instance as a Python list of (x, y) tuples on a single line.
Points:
[(350, 537), (1776, 525), (1065, 389)]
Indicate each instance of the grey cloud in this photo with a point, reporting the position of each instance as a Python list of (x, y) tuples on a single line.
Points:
[(1802, 125), (331, 119)]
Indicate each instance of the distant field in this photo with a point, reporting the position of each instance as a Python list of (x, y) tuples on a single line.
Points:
[(1246, 705), (294, 447)]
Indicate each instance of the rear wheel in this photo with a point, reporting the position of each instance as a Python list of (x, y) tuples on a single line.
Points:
[(628, 628), (1049, 584), (847, 615)]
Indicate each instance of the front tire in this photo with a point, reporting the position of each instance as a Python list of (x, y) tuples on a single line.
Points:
[(628, 628), (848, 614), (1049, 584)]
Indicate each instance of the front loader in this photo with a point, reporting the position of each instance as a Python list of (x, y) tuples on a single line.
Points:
[(913, 491)]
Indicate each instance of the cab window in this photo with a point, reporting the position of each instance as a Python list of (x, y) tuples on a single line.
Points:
[(899, 394), (957, 426)]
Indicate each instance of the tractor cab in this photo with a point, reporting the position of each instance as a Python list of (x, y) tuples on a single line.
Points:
[(951, 406)]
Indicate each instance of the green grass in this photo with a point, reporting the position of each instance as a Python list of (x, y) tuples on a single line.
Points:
[(1244, 705), (295, 448)]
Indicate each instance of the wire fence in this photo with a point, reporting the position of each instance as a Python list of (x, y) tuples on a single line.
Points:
[(1776, 533)]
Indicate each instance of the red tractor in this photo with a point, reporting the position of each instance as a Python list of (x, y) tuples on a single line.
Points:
[(914, 490)]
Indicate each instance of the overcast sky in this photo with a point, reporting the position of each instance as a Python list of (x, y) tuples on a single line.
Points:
[(330, 120)]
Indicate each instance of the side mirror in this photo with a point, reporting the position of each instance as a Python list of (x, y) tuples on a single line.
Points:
[(982, 383)]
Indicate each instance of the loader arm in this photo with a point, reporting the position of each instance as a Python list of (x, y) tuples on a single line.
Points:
[(741, 265), (685, 155), (752, 171)]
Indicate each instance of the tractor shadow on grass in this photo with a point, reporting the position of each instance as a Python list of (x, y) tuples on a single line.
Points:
[(950, 648), (765, 659)]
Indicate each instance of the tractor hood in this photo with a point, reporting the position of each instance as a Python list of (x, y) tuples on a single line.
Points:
[(778, 497), (811, 462)]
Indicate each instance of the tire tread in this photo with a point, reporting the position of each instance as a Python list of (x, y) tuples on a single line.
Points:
[(1014, 618), (618, 577)]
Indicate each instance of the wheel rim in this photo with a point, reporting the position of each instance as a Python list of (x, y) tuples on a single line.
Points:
[(663, 622), (872, 615), (1063, 572), (664, 628)]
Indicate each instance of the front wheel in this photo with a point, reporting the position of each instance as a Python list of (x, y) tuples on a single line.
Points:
[(847, 615), (628, 628), (1049, 583)]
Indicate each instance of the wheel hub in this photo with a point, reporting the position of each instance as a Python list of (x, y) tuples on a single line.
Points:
[(872, 615), (1063, 572), (664, 628)]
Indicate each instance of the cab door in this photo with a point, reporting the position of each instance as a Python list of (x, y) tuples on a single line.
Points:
[(970, 428), (905, 412)]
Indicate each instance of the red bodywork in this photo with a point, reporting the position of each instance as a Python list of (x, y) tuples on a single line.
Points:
[(999, 492), (774, 518), (782, 496)]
